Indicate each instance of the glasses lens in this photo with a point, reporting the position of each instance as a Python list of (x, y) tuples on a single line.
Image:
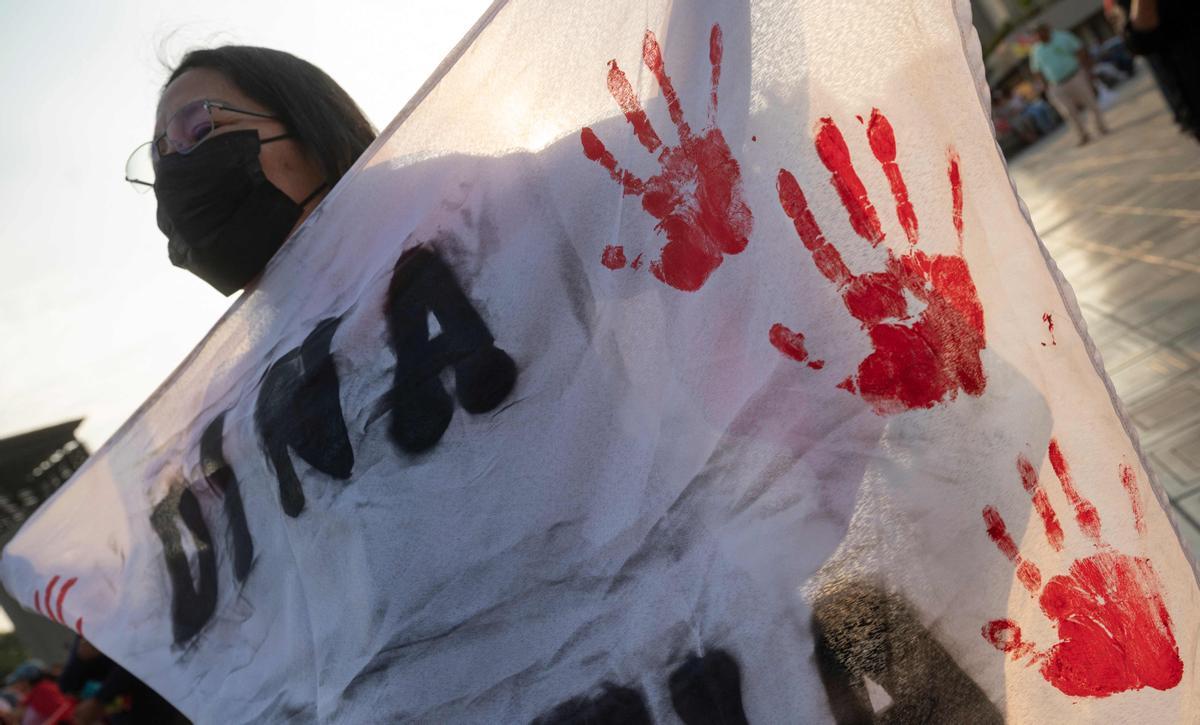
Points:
[(139, 169), (189, 126)]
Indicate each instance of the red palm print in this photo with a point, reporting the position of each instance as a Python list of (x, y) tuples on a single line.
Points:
[(697, 197), (1113, 628), (53, 605), (919, 359)]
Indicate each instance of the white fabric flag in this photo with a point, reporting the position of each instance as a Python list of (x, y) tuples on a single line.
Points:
[(663, 361)]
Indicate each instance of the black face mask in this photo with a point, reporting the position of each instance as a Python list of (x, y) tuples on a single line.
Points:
[(223, 219)]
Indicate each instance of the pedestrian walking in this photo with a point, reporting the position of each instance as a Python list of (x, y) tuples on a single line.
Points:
[(1064, 67)]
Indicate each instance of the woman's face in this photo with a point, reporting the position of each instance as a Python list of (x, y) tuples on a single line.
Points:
[(284, 162)]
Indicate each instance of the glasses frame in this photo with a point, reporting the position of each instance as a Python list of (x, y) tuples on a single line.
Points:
[(153, 144)]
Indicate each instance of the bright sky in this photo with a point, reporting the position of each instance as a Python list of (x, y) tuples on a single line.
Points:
[(92, 315)]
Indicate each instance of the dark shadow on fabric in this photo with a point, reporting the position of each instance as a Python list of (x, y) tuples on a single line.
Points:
[(707, 690), (862, 632), (614, 705)]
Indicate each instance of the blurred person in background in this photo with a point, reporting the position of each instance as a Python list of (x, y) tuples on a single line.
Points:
[(1167, 34), (108, 693), (1059, 60), (42, 703)]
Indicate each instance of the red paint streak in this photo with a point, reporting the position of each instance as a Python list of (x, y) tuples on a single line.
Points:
[(883, 145), (715, 52), (49, 596), (1085, 512), (594, 149), (1005, 635), (622, 93), (860, 119), (1129, 481), (1029, 479), (831, 147), (697, 196), (79, 626), (37, 601), (1027, 572), (848, 385), (652, 57), (613, 257), (825, 255), (62, 594), (636, 263), (792, 344), (917, 361), (1049, 320), (956, 195), (1114, 629)]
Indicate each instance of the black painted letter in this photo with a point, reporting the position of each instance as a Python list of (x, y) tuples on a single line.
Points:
[(220, 476), (299, 407), (484, 374), (192, 603)]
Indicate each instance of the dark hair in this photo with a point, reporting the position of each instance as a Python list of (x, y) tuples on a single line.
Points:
[(314, 108)]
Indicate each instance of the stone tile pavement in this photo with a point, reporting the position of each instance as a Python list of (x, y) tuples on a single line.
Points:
[(1121, 216)]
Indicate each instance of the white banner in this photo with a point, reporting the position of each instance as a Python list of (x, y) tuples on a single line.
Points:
[(667, 361)]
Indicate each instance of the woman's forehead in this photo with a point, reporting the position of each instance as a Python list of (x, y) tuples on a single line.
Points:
[(194, 85)]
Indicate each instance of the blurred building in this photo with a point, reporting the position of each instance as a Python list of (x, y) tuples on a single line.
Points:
[(32, 467)]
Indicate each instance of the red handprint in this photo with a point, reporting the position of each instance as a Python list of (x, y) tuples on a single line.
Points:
[(54, 606), (916, 363), (1113, 627), (697, 197)]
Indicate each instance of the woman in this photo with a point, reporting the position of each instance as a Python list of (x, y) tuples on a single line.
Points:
[(247, 141)]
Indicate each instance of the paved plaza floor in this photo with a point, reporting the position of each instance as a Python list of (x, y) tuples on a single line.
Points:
[(1121, 217)]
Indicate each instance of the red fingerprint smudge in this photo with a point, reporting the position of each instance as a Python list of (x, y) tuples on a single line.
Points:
[(1129, 481), (1027, 572), (1005, 635), (1029, 479), (613, 257), (1085, 513), (754, 138), (883, 144), (792, 344), (832, 150), (956, 194)]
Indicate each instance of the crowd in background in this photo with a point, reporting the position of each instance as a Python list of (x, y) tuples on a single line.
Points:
[(87, 689)]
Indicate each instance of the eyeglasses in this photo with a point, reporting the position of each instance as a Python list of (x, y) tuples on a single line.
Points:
[(187, 128)]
